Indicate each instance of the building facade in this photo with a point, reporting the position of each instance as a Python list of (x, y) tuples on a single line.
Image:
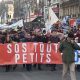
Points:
[(70, 8), (7, 10), (10, 10), (24, 7), (55, 5)]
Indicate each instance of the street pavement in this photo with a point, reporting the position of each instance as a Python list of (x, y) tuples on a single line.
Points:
[(45, 74)]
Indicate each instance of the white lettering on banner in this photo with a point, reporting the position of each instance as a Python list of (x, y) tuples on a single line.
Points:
[(48, 60), (32, 55), (36, 57), (41, 47), (24, 49), (9, 50), (24, 58), (17, 57), (35, 46), (41, 54), (16, 48), (76, 56), (49, 48), (56, 47)]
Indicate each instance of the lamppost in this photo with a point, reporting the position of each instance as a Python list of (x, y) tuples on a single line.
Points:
[(27, 11), (28, 6)]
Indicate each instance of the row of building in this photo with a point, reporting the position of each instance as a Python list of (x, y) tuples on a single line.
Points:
[(70, 8), (65, 8), (22, 8)]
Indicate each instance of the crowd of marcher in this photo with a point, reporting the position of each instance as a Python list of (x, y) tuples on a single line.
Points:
[(25, 35)]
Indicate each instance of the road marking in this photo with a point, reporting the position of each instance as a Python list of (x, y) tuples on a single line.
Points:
[(24, 76)]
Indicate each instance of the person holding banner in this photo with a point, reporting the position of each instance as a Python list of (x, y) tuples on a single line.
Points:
[(67, 47), (54, 38), (38, 38), (27, 38), (15, 40), (8, 40)]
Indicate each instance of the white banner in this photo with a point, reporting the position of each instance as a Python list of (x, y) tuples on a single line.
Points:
[(52, 17), (17, 24), (13, 26), (3, 26)]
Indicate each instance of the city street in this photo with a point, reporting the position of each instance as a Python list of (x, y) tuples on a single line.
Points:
[(22, 74), (37, 33)]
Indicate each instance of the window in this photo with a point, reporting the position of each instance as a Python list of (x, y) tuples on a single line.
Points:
[(9, 16)]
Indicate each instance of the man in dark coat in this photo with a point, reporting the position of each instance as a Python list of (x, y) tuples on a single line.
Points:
[(53, 38), (38, 38), (27, 38), (67, 47)]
